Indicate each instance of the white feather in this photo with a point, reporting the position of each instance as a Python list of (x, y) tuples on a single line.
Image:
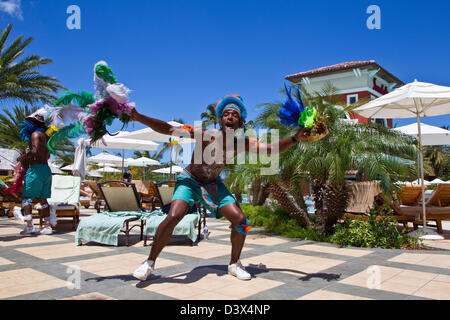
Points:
[(64, 114), (118, 92)]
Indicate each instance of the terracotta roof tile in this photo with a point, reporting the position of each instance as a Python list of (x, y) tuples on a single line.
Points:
[(335, 67)]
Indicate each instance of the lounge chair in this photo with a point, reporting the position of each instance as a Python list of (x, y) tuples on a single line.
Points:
[(86, 195), (97, 195), (363, 196), (190, 225), (124, 208), (437, 207), (147, 193), (65, 199)]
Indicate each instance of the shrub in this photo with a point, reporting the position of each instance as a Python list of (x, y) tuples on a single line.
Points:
[(276, 220), (373, 233)]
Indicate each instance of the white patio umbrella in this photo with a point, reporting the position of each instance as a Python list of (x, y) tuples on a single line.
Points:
[(54, 169), (419, 181), (143, 162), (68, 168), (105, 157), (431, 135), (175, 169), (110, 169), (94, 174), (106, 164), (437, 181), (416, 99)]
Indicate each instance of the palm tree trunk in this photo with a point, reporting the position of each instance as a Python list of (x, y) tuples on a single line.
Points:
[(281, 196), (336, 200), (318, 192)]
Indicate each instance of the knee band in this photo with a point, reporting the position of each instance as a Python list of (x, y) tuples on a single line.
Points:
[(243, 228), (27, 203)]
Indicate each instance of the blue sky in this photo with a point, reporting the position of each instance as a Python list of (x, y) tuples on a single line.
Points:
[(180, 56)]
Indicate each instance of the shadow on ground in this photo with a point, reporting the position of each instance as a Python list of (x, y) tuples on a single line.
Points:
[(220, 270)]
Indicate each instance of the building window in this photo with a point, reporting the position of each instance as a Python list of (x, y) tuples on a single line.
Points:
[(383, 122), (352, 98)]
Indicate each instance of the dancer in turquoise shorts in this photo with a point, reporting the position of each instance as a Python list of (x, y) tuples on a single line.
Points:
[(38, 177), (201, 181)]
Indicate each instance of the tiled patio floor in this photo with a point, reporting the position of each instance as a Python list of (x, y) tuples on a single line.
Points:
[(53, 267)]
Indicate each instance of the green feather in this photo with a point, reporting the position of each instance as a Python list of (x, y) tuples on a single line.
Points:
[(82, 98), (104, 72), (72, 131)]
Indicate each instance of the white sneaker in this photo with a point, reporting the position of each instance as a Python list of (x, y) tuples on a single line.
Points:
[(46, 231), (28, 231), (144, 270), (238, 270)]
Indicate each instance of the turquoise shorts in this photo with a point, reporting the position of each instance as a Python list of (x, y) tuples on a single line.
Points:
[(213, 196), (38, 182)]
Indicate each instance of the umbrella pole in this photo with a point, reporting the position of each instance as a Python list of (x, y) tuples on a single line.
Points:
[(171, 160), (421, 168), (123, 161)]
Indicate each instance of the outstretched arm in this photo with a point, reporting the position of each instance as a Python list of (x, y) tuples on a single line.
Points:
[(157, 125), (162, 126), (252, 145)]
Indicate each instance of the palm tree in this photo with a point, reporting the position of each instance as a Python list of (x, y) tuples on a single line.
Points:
[(20, 80), (210, 116)]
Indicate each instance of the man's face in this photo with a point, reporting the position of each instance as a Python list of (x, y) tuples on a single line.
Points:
[(230, 120), (36, 122)]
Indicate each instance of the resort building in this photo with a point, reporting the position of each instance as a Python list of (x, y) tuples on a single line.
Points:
[(354, 81)]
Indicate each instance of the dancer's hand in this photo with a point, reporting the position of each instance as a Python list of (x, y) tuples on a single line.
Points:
[(302, 134), (134, 115)]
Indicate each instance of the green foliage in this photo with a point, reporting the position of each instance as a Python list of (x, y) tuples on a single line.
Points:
[(373, 233), (20, 79), (276, 220), (209, 116)]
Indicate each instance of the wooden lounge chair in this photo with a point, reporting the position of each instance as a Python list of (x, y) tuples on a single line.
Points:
[(65, 199), (97, 195), (86, 195), (188, 226), (124, 209), (147, 194), (363, 196), (437, 207)]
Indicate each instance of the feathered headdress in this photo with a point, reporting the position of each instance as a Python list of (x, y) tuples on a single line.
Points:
[(295, 114)]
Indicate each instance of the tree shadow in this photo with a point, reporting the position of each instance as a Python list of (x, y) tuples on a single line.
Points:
[(255, 269)]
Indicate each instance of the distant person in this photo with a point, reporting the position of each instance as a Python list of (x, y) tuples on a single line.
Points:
[(127, 176), (38, 178)]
